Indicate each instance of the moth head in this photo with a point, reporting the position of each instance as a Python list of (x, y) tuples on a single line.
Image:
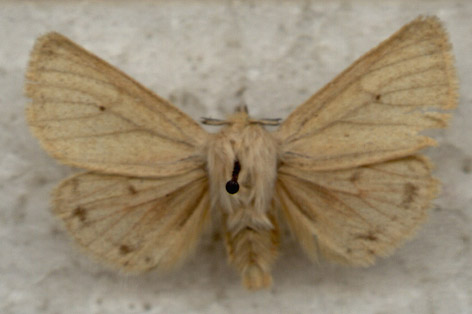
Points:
[(241, 108)]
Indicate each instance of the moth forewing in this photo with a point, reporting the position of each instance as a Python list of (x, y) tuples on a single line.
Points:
[(375, 109), (89, 114)]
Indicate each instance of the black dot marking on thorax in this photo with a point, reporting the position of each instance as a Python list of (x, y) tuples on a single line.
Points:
[(232, 186)]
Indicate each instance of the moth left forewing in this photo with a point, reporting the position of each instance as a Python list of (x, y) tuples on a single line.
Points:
[(134, 224), (374, 110), (355, 215)]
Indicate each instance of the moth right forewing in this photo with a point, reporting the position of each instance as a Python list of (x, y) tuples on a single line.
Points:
[(88, 114)]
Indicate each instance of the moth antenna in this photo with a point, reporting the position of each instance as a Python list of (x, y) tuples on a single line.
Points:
[(211, 121), (266, 121)]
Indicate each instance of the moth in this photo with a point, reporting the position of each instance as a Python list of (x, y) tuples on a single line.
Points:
[(343, 170)]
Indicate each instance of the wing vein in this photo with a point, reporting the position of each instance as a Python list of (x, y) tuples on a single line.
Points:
[(342, 155)]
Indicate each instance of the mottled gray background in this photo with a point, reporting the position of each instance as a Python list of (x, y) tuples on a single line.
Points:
[(208, 56)]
